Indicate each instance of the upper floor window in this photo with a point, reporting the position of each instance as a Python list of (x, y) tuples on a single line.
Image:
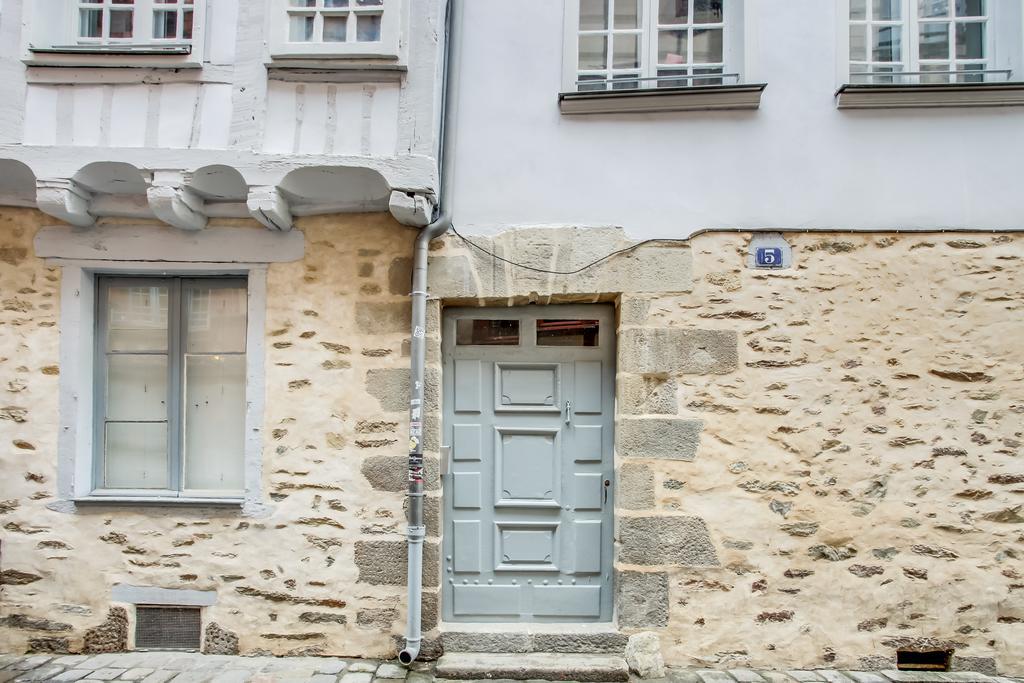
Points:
[(635, 44), (358, 28), (107, 22), (922, 41)]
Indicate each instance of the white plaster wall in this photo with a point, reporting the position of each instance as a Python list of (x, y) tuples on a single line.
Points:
[(798, 162)]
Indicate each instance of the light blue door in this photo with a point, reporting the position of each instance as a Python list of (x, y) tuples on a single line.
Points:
[(528, 402)]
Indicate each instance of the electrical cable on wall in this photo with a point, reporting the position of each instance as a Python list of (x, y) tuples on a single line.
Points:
[(565, 272)]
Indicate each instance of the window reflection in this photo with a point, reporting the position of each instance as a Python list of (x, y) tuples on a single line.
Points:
[(475, 332), (567, 332)]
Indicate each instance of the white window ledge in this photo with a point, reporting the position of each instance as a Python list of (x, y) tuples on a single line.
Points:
[(694, 98), (899, 96)]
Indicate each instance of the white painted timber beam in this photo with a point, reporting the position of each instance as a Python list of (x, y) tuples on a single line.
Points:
[(175, 204), (65, 199), (415, 210), (268, 206)]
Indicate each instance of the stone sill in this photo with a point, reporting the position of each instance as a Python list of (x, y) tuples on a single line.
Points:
[(896, 96), (336, 70), (114, 58), (150, 500), (695, 98)]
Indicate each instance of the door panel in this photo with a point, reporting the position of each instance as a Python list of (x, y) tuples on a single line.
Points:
[(528, 520)]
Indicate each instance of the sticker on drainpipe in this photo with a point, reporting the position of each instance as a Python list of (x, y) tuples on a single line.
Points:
[(769, 251)]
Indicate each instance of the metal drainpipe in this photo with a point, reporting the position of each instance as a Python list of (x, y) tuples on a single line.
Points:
[(417, 352)]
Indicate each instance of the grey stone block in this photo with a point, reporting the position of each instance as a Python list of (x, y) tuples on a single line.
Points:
[(471, 641), (390, 386), (383, 563), (451, 277), (671, 350), (666, 541), (634, 310), (642, 599), (644, 394), (983, 665), (581, 643), (634, 489), (374, 317), (391, 472), (665, 438)]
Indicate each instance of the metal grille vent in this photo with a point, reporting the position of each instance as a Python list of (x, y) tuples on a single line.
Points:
[(167, 628), (933, 660)]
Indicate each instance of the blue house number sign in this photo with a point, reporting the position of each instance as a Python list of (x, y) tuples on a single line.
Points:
[(768, 257)]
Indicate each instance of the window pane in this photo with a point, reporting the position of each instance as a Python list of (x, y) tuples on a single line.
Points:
[(707, 81), (137, 318), (934, 41), (626, 51), (933, 8), (674, 11), (970, 78), (368, 28), (123, 2), (672, 47), (121, 23), (165, 24), (593, 52), (886, 44), (943, 78), (885, 10), (858, 10), (370, 3), (216, 318), (567, 332), (300, 28), (970, 8), (186, 29), (335, 3), (626, 81), (593, 15), (137, 387), (707, 45), (858, 42), (90, 23), (336, 29), (586, 87), (303, 3), (627, 13), (469, 332), (970, 40), (135, 456), (672, 83), (707, 11), (214, 422)]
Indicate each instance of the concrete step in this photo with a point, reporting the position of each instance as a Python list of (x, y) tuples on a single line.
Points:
[(550, 666), (577, 640)]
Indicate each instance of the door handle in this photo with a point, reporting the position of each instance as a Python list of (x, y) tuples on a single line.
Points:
[(607, 483), (568, 412)]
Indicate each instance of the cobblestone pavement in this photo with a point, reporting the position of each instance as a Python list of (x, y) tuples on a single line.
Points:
[(176, 667)]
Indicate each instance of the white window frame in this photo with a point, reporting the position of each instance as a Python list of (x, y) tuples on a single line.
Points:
[(733, 50), (1003, 44), (392, 13), (77, 442), (58, 42)]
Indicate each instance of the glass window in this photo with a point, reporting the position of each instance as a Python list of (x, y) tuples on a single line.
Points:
[(482, 332), (134, 21), (173, 376), (567, 332), (625, 44), (919, 41), (335, 21)]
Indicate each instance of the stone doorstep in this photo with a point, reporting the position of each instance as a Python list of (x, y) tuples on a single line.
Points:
[(481, 639), (549, 666)]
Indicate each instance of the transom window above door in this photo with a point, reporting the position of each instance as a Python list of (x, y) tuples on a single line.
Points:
[(640, 44), (928, 41)]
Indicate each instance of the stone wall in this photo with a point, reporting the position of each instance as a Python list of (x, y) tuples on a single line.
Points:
[(324, 571), (816, 466)]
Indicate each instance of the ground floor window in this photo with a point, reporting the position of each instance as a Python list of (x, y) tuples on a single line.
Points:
[(170, 375)]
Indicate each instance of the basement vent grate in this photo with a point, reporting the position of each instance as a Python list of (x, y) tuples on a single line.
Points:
[(167, 628), (931, 660)]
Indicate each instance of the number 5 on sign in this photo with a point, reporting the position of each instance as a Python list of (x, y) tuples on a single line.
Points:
[(770, 257)]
